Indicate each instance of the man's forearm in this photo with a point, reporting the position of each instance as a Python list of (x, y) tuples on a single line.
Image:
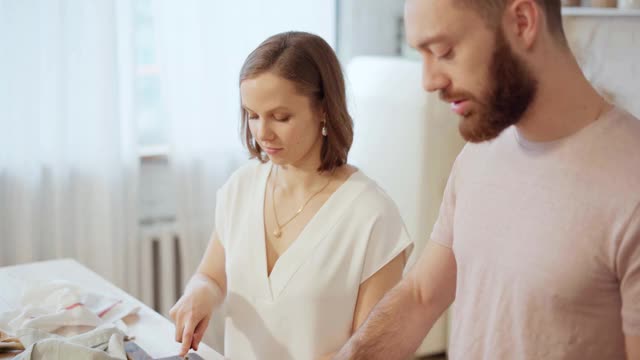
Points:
[(395, 328)]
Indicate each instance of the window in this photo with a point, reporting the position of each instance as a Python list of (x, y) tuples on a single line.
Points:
[(149, 110)]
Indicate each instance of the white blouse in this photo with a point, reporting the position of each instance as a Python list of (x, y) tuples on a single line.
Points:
[(305, 308)]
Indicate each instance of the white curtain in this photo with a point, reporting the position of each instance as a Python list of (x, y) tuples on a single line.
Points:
[(201, 47), (68, 162)]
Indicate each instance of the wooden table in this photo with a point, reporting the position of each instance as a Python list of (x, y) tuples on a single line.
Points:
[(153, 332)]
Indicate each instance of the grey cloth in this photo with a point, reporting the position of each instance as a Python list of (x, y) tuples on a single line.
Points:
[(102, 343)]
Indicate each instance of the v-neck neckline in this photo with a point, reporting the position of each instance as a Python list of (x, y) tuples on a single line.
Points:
[(294, 255)]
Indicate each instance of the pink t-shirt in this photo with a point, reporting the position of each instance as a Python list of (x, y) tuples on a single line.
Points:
[(547, 242)]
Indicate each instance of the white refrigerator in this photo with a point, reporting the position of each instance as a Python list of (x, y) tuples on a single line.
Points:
[(406, 140)]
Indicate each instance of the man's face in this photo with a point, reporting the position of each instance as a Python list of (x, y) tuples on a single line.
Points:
[(471, 65)]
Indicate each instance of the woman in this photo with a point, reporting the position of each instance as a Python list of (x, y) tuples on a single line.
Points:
[(304, 244)]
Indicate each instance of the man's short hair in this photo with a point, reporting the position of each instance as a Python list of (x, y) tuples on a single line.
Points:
[(492, 11)]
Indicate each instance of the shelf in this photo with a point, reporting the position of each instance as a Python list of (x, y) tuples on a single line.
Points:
[(591, 11)]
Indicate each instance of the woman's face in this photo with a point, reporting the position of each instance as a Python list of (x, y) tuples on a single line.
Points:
[(285, 123)]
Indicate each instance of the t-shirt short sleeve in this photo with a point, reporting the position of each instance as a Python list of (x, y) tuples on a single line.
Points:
[(628, 267), (220, 214), (233, 195), (388, 239), (442, 232)]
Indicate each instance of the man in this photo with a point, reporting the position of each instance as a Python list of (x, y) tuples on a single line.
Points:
[(538, 238)]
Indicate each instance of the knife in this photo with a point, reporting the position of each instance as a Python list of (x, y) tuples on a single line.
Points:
[(135, 352)]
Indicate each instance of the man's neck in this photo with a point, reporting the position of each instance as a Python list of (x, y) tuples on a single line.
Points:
[(565, 103)]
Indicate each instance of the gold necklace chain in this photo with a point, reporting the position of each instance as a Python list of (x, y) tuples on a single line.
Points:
[(278, 231)]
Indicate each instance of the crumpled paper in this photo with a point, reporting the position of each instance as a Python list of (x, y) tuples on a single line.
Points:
[(103, 343), (48, 309)]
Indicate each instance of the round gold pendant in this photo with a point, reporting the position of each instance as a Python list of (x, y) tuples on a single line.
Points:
[(277, 233)]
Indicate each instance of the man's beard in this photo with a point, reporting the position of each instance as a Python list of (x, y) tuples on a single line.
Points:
[(512, 90)]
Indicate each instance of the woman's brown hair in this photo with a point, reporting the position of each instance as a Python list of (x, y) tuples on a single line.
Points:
[(310, 63)]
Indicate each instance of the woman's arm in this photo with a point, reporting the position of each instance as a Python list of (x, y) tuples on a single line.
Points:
[(401, 320), (204, 292), (372, 290), (213, 263)]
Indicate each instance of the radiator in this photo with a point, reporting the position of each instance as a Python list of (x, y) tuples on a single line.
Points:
[(160, 266)]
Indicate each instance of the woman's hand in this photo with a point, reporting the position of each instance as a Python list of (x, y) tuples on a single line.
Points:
[(192, 312)]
